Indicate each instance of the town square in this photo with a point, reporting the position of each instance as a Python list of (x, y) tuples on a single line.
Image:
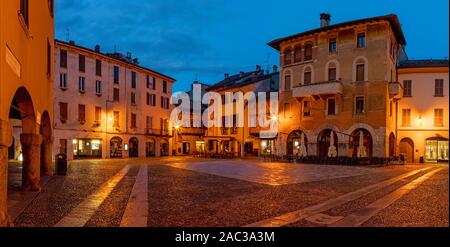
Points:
[(340, 120)]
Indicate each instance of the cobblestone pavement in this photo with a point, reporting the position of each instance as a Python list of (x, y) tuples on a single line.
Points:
[(185, 191)]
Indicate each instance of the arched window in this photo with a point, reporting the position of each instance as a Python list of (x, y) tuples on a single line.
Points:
[(297, 54), (360, 69), (308, 52), (307, 76), (287, 57)]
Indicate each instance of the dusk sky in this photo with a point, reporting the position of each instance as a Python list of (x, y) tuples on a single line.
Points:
[(203, 39)]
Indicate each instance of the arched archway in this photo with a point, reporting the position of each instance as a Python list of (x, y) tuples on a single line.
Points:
[(46, 146), (324, 142), (116, 145), (294, 140), (22, 109), (133, 148), (406, 148), (391, 145), (355, 141)]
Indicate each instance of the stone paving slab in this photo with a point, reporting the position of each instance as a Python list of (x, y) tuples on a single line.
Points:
[(273, 173), (364, 214)]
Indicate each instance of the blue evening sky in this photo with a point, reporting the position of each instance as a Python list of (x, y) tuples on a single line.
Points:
[(203, 39)]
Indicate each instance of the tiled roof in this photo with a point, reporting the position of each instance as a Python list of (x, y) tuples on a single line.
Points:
[(111, 57), (240, 80), (423, 63), (392, 19)]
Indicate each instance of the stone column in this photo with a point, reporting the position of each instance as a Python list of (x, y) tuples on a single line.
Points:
[(5, 142), (46, 156), (31, 146)]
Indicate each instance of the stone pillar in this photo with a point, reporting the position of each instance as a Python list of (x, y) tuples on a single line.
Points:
[(157, 148), (5, 142), (31, 146), (46, 156)]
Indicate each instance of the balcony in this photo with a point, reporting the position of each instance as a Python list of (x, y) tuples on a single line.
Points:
[(318, 89), (395, 90)]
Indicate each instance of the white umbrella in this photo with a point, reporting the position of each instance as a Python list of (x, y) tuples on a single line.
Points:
[(302, 151), (332, 149), (361, 149)]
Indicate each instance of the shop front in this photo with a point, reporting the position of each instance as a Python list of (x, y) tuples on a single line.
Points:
[(436, 149), (87, 148), (267, 146)]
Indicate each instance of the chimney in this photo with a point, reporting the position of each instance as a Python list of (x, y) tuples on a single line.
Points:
[(325, 19), (258, 68), (97, 48), (226, 75), (71, 42), (275, 69), (136, 61), (241, 74)]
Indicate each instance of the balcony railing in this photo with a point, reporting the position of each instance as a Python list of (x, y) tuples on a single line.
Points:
[(317, 89)]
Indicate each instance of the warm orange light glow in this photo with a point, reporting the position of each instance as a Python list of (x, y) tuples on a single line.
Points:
[(420, 120)]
